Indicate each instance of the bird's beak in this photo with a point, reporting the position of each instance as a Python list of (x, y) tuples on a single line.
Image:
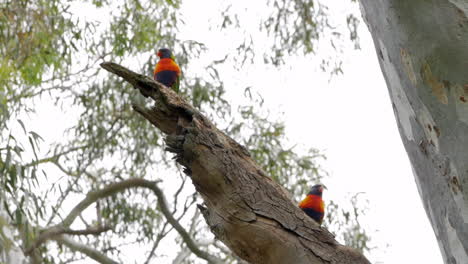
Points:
[(159, 54), (324, 187)]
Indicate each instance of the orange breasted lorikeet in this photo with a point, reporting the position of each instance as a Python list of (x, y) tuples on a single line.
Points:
[(313, 204), (167, 71)]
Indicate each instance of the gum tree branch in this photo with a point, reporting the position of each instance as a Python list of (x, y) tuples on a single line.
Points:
[(189, 242), (94, 230), (88, 251), (93, 196), (54, 157), (244, 207), (160, 237)]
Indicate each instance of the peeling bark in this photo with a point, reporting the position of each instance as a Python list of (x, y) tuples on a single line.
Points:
[(422, 47), (244, 208)]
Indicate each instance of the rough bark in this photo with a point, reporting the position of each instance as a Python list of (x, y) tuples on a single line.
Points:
[(422, 47), (244, 208)]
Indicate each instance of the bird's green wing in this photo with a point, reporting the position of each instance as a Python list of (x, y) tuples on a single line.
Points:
[(176, 85)]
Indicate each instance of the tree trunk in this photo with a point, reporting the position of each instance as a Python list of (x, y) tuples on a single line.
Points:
[(244, 208), (422, 47)]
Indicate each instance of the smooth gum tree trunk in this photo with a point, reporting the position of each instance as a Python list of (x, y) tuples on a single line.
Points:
[(422, 47)]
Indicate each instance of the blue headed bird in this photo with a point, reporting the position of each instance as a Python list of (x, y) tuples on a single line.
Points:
[(167, 71)]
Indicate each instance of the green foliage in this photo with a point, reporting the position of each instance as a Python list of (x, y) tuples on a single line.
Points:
[(344, 220), (32, 40), (127, 215), (292, 27), (295, 25), (268, 146)]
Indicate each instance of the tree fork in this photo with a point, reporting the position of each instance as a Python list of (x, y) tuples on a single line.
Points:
[(244, 208)]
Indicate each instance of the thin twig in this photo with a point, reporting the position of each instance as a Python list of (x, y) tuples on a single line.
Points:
[(89, 231)]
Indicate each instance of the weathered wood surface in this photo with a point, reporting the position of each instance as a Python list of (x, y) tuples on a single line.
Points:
[(244, 208)]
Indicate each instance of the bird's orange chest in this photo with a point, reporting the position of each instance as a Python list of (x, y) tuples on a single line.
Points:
[(313, 202), (166, 64)]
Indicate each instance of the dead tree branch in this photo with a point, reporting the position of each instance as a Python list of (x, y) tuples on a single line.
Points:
[(244, 208)]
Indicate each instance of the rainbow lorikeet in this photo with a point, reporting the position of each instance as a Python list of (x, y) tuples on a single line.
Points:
[(313, 204), (167, 71)]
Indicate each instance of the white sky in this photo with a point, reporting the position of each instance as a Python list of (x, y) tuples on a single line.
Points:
[(352, 121)]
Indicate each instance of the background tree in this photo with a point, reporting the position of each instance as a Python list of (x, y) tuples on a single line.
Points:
[(52, 51), (422, 52)]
